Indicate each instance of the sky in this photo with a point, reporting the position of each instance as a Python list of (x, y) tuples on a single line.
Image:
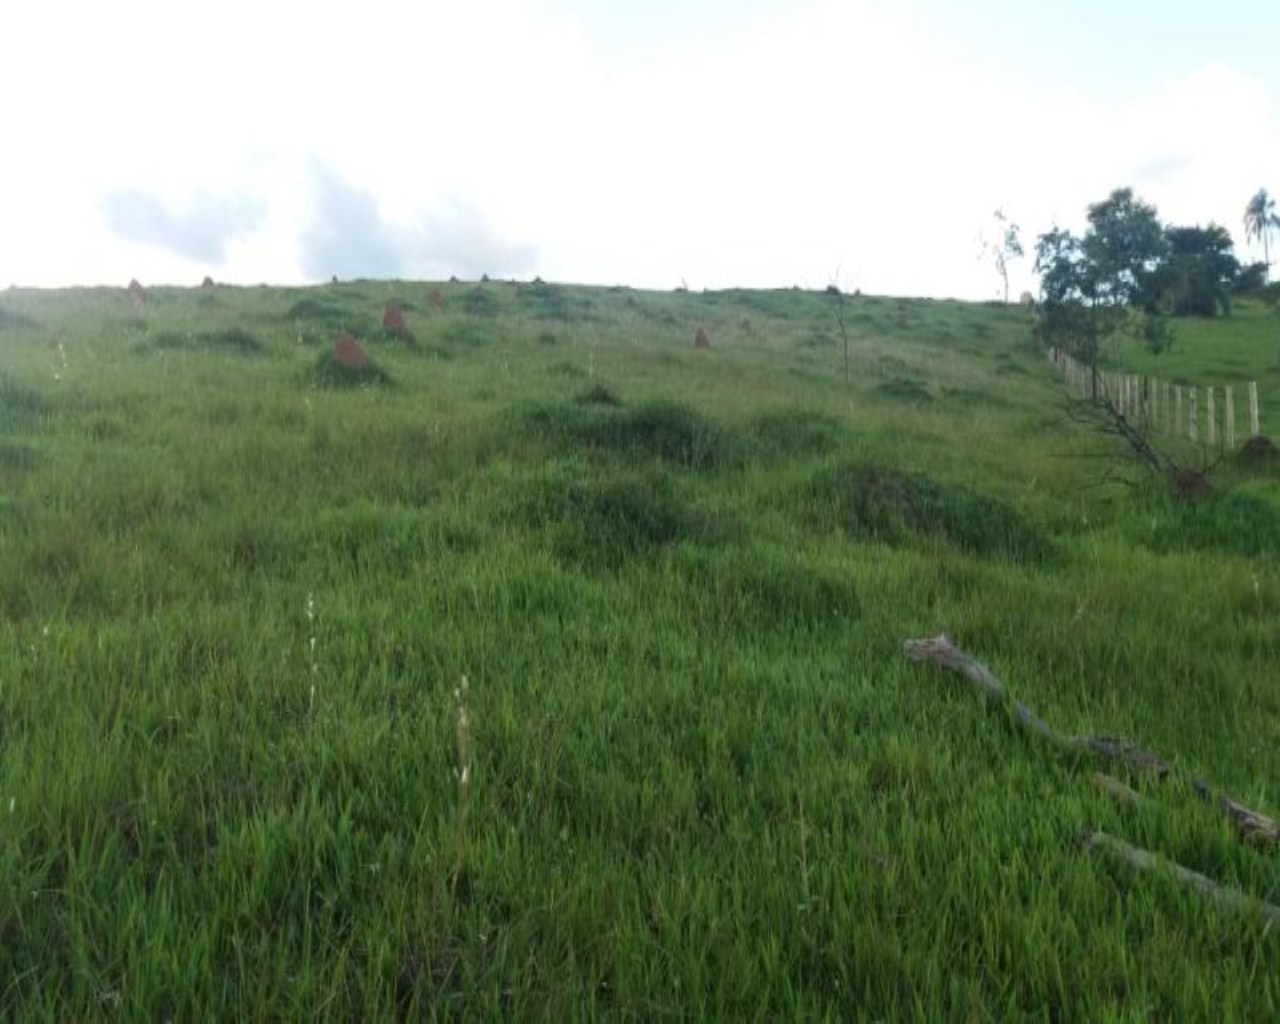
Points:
[(704, 143)]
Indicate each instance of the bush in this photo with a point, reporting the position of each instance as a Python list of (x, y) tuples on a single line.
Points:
[(605, 522), (21, 407), (327, 372), (656, 430), (904, 389), (751, 593), (10, 319), (876, 502), (600, 394), (796, 432), (1236, 524)]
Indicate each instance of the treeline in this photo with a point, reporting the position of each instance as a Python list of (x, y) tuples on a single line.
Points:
[(1129, 274)]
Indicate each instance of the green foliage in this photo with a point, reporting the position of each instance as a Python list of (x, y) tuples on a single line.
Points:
[(1124, 246), (600, 394), (664, 430), (10, 319), (327, 372), (1237, 524), (1198, 274), (904, 389), (479, 301), (21, 408), (797, 432), (1260, 220), (607, 521), (867, 500)]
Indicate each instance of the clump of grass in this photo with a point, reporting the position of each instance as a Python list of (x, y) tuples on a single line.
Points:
[(600, 394), (21, 408), (17, 458), (547, 338), (796, 432), (313, 309), (904, 389), (606, 521), (749, 593), (236, 339), (465, 334), (327, 372), (1232, 523), (401, 336), (664, 430), (970, 398), (479, 302), (549, 301), (316, 318), (11, 319), (868, 500)]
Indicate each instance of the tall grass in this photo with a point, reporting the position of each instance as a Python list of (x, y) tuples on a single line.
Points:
[(690, 774)]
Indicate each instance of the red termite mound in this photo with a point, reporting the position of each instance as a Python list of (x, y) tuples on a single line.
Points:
[(347, 352)]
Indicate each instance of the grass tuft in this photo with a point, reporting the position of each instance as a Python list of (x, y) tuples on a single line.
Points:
[(869, 500), (327, 372)]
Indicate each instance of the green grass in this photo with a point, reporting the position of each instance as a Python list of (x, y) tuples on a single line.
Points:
[(236, 604)]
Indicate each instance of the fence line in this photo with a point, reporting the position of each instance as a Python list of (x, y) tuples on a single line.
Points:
[(1158, 404)]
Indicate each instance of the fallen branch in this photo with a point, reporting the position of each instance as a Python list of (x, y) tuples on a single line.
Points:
[(1116, 789), (1252, 826), (1138, 859)]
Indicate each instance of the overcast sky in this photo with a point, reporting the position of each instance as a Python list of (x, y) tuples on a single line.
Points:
[(711, 142)]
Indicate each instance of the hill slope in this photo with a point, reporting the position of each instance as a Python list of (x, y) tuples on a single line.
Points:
[(689, 773)]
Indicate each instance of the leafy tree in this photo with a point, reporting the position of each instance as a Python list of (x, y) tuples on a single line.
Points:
[(1004, 249), (1067, 316), (1252, 278), (1198, 273), (1105, 283), (1260, 220), (1125, 244)]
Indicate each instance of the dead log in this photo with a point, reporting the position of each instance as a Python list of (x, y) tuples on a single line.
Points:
[(1138, 859), (1254, 827), (1116, 789)]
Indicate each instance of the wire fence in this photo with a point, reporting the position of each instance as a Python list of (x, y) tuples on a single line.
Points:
[(1206, 415)]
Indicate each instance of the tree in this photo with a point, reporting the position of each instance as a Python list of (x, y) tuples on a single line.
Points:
[(1006, 248), (1260, 220), (1125, 244), (1198, 273), (1105, 283), (1067, 316)]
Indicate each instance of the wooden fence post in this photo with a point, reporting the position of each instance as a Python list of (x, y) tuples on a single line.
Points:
[(1211, 430), (1254, 428), (1193, 430), (1177, 410), (1231, 419)]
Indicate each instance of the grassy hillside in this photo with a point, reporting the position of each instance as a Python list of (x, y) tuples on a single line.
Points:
[(689, 774)]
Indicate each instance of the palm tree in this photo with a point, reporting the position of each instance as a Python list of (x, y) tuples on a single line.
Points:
[(1260, 220)]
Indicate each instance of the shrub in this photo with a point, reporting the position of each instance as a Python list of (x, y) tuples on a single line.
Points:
[(599, 394), (1236, 524), (877, 502), (656, 430), (327, 372), (904, 389), (796, 432), (605, 522)]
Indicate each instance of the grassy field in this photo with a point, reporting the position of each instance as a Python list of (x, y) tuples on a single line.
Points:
[(689, 774)]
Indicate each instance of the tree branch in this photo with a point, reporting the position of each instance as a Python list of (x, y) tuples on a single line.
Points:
[(1137, 859), (1252, 826)]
